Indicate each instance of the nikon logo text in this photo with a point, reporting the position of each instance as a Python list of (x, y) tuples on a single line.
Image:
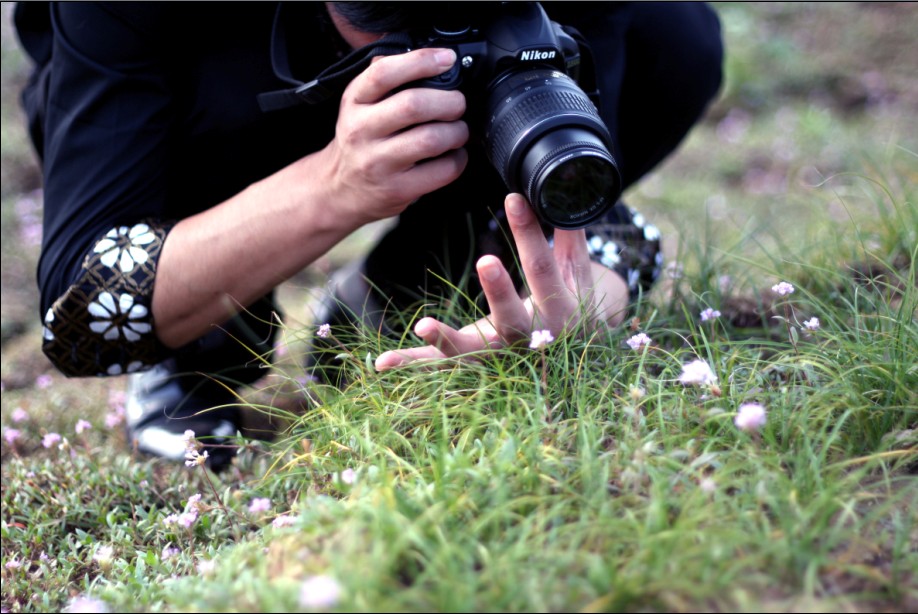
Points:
[(537, 54)]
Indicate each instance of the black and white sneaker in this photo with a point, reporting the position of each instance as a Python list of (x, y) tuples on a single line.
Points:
[(161, 407)]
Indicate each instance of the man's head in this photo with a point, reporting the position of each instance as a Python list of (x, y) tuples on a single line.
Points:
[(361, 23)]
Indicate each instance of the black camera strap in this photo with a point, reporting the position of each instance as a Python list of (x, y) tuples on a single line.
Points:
[(331, 81)]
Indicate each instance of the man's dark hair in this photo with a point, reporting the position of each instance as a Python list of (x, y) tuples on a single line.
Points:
[(382, 17), (386, 17)]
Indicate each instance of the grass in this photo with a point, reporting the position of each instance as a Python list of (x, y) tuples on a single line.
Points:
[(580, 477)]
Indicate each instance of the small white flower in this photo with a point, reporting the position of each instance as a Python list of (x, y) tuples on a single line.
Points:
[(83, 604), (10, 435), (697, 373), (50, 440), (194, 504), (117, 319), (783, 288), (187, 519), (675, 270), (286, 520), (324, 331), (103, 555), (319, 592), (259, 505), (708, 485), (812, 324), (638, 341), (751, 417), (206, 567), (540, 338), (709, 314), (348, 476), (122, 245), (636, 393), (195, 458), (169, 552)]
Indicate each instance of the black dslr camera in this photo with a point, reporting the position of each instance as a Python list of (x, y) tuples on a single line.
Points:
[(519, 72)]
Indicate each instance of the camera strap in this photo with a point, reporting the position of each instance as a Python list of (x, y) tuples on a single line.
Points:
[(331, 81)]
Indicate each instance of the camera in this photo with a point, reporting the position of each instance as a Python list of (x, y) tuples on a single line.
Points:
[(519, 72)]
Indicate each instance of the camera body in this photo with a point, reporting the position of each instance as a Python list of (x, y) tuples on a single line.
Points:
[(519, 72)]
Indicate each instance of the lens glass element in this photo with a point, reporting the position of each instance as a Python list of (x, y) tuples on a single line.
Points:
[(575, 188)]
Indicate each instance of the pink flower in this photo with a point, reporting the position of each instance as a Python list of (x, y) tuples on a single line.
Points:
[(117, 398), (193, 458), (259, 505), (114, 417), (540, 338), (709, 314), (674, 270), (169, 552), (324, 331), (50, 440), (708, 485), (320, 592), (194, 503), (11, 435), (187, 519), (19, 415), (751, 417), (697, 373), (193, 454), (285, 520), (86, 604), (81, 426), (638, 341), (811, 324), (43, 381), (348, 476), (783, 288)]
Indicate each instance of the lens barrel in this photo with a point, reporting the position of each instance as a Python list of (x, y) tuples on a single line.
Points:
[(547, 141)]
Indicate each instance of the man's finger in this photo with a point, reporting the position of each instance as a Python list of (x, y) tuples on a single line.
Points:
[(394, 71), (536, 257)]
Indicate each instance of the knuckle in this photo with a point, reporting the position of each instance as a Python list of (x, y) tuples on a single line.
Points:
[(540, 265), (413, 105)]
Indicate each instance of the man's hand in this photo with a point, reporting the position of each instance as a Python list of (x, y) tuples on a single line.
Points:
[(565, 286), (390, 149)]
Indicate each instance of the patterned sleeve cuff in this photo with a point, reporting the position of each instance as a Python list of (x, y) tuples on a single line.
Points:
[(103, 324), (628, 245)]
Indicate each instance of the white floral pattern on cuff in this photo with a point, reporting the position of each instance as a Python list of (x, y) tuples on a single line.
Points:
[(46, 333), (123, 318), (124, 246)]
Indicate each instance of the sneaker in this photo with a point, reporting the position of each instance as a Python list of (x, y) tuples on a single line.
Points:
[(161, 407)]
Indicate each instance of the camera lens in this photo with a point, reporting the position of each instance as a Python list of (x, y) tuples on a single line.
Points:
[(547, 141)]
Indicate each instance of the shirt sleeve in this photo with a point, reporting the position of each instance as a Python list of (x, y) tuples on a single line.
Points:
[(107, 122), (626, 243), (103, 323)]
